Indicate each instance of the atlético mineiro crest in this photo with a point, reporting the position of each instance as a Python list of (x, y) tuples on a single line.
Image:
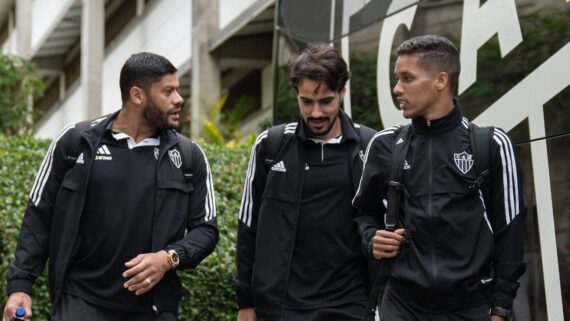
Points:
[(175, 157), (463, 161)]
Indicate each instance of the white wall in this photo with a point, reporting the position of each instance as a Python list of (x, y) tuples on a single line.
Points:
[(45, 14), (69, 112), (230, 9), (165, 28)]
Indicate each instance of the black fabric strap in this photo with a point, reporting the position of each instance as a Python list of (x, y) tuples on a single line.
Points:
[(272, 142)]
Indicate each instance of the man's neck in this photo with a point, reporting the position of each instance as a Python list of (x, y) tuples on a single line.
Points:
[(133, 124), (442, 109)]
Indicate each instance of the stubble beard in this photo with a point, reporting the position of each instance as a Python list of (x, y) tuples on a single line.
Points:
[(324, 131), (156, 117)]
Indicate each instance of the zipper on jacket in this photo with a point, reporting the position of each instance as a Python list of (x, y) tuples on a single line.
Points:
[(299, 201), (322, 153), (429, 209)]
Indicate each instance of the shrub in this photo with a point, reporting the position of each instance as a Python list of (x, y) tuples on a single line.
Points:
[(18, 85), (209, 290)]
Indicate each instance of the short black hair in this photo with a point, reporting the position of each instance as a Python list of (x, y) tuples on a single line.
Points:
[(142, 70), (321, 63), (435, 52)]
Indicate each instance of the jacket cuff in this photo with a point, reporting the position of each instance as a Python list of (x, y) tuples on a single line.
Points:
[(502, 300), (182, 255), (19, 285), (244, 294), (244, 298), (504, 293)]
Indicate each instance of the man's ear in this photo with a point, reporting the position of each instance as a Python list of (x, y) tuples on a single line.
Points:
[(442, 81), (342, 92), (137, 95)]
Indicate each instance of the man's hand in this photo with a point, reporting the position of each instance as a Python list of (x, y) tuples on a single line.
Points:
[(387, 244), (145, 271), (247, 314), (17, 299), (497, 318)]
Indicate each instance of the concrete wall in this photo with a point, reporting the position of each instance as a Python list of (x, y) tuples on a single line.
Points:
[(45, 14), (231, 9)]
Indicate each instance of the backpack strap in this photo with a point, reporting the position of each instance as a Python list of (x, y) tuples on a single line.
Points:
[(185, 145), (396, 189), (480, 140), (272, 142), (394, 194), (365, 134), (75, 143)]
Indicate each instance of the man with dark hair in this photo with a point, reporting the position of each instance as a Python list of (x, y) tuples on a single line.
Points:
[(298, 252), (119, 204), (440, 201)]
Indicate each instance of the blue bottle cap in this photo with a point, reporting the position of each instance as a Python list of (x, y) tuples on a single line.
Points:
[(20, 312)]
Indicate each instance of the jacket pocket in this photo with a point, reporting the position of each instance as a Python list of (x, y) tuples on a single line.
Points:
[(184, 187), (70, 184)]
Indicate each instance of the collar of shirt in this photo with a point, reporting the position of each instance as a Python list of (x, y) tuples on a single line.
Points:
[(334, 140), (150, 141)]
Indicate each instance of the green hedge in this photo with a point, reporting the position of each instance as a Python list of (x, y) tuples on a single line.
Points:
[(209, 292)]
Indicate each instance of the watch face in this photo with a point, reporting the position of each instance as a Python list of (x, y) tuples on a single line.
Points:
[(174, 257)]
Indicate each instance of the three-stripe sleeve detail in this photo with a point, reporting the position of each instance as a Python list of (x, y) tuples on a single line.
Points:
[(465, 122), (210, 203), (509, 175), (45, 169), (246, 207)]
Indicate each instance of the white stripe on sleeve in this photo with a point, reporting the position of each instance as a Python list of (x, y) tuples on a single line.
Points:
[(510, 179), (45, 169), (210, 202), (246, 207)]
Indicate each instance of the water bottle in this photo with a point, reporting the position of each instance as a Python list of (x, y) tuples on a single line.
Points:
[(20, 313)]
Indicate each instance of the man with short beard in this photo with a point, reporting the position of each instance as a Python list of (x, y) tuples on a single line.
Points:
[(119, 204), (298, 249)]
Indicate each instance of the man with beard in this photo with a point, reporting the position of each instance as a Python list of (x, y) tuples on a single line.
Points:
[(119, 204), (298, 249)]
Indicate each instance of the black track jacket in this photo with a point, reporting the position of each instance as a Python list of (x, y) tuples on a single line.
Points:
[(184, 214), (463, 251), (268, 217)]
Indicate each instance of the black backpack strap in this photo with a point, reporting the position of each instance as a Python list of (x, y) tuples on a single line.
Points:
[(396, 190), (480, 140), (395, 195), (272, 142), (74, 147), (365, 134), (185, 145)]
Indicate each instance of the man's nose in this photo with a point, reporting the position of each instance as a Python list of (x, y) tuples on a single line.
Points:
[(317, 111), (397, 89), (178, 100)]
